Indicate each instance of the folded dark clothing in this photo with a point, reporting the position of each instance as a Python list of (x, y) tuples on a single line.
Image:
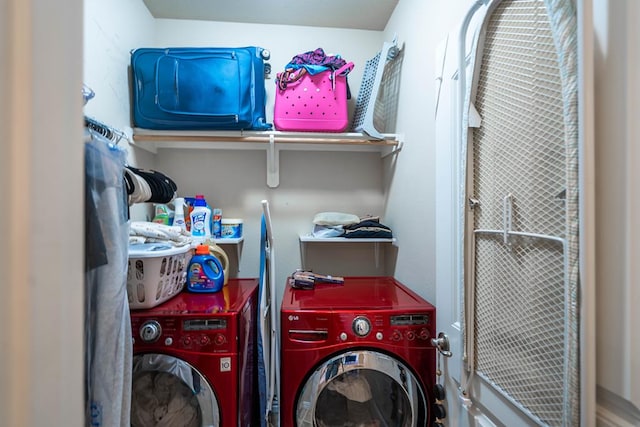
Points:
[(367, 229)]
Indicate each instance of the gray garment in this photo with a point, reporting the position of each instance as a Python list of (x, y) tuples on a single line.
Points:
[(108, 345)]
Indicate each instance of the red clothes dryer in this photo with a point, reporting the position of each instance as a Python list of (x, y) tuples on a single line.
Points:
[(357, 354), (194, 359)]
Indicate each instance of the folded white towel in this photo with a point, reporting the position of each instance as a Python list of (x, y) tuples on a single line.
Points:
[(335, 218), (148, 232)]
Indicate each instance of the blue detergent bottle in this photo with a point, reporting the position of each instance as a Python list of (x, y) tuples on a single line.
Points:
[(205, 273)]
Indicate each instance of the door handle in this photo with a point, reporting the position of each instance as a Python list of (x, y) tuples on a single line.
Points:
[(442, 344)]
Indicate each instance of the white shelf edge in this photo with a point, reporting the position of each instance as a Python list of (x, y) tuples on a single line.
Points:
[(229, 240), (263, 136), (306, 238), (224, 241), (270, 141)]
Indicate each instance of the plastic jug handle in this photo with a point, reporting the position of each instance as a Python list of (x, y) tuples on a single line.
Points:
[(219, 253)]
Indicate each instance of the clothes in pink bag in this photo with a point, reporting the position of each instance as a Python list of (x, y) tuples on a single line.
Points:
[(312, 102)]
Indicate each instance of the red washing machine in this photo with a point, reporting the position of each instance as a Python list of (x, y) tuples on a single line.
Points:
[(194, 359), (357, 354)]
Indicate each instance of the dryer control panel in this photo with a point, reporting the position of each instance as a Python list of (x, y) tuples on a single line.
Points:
[(409, 329)]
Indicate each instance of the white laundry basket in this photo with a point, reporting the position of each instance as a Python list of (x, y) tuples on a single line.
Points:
[(156, 272)]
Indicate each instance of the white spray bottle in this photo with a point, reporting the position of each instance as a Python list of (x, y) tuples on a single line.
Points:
[(178, 218)]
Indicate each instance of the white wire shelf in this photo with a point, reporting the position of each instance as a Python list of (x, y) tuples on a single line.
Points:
[(376, 242), (270, 141), (308, 238)]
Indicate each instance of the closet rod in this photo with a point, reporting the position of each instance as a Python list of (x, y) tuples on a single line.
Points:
[(108, 132)]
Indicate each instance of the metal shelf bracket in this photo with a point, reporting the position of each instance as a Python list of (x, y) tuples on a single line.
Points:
[(273, 163)]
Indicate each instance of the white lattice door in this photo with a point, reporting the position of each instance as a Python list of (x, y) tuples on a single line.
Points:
[(518, 296), (518, 191)]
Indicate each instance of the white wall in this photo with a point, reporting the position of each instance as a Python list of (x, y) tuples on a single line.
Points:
[(410, 203), (617, 226), (111, 30)]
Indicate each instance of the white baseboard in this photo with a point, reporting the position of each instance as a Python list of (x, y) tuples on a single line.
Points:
[(614, 411)]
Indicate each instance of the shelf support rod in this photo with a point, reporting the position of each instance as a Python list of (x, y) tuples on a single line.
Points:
[(376, 253), (273, 163), (396, 149), (303, 254)]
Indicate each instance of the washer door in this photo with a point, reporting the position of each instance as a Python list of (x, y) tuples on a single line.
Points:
[(362, 388), (167, 391)]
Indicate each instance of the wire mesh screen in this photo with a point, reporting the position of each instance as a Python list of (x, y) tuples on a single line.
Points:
[(520, 322), (384, 108), (385, 111), (520, 181), (366, 87)]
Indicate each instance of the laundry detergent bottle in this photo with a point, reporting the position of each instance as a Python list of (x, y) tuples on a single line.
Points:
[(205, 273)]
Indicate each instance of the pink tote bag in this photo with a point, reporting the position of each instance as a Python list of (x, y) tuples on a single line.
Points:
[(312, 103)]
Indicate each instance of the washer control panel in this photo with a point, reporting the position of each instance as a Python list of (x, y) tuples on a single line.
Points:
[(194, 334)]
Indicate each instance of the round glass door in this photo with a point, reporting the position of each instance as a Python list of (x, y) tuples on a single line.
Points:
[(168, 392), (362, 389)]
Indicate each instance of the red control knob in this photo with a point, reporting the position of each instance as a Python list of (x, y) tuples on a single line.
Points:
[(396, 336), (219, 339), (204, 340), (411, 335), (424, 334), (186, 341)]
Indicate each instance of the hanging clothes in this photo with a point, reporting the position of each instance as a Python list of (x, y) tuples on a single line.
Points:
[(109, 352), (147, 185)]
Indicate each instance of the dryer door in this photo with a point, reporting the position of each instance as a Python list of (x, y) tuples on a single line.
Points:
[(167, 391), (362, 388)]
